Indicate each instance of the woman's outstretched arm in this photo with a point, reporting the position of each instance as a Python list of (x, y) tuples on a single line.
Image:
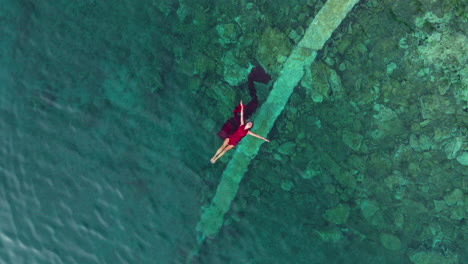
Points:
[(257, 136), (242, 113)]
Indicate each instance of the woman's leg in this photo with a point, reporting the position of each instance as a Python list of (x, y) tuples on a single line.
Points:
[(222, 153), (225, 143)]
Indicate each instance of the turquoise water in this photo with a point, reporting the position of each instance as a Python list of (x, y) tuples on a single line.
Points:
[(96, 167), (109, 114)]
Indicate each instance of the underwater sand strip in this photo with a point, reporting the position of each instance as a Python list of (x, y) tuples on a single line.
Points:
[(318, 32)]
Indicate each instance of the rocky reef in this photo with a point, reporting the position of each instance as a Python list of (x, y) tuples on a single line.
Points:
[(375, 135)]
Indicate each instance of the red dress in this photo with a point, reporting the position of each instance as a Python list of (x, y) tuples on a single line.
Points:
[(238, 135), (257, 74)]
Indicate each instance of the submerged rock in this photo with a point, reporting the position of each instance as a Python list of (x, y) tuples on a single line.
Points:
[(369, 208), (273, 49), (463, 158), (346, 179), (453, 147), (420, 143), (387, 121), (250, 19), (234, 73), (228, 33), (454, 198), (423, 257), (399, 220), (384, 113), (457, 213), (442, 133), (390, 242), (372, 213), (394, 180), (311, 171), (337, 215), (435, 106), (286, 185), (322, 82), (352, 139), (442, 49), (439, 206), (287, 148), (332, 234), (391, 67)]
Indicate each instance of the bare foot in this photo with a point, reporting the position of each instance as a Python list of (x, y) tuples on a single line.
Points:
[(212, 161)]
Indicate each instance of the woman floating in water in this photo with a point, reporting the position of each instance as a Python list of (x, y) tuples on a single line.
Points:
[(232, 132), (237, 136)]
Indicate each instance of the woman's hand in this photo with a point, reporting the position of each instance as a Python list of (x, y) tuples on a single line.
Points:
[(242, 106), (266, 140)]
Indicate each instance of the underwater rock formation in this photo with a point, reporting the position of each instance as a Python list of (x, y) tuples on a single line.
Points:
[(390, 242), (337, 215), (228, 33), (274, 48), (377, 124), (423, 257), (352, 139), (234, 72)]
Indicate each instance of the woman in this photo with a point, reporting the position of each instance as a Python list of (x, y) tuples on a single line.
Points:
[(237, 136)]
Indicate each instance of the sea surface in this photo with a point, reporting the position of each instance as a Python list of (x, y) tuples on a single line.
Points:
[(105, 147), (84, 179)]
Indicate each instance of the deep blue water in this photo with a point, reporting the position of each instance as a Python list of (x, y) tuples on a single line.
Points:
[(86, 178)]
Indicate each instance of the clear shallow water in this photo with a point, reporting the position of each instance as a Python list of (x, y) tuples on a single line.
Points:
[(105, 148)]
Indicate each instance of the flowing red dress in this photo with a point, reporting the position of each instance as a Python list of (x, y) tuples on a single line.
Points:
[(237, 135), (257, 74)]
